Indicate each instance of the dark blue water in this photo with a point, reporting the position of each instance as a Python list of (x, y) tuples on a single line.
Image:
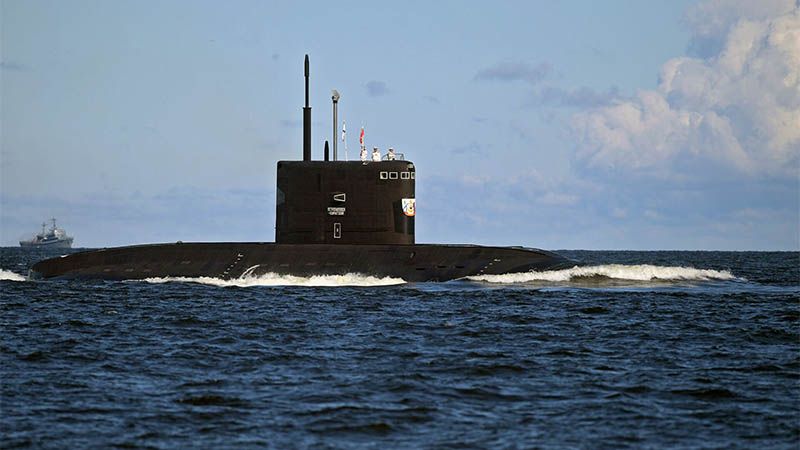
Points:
[(608, 357)]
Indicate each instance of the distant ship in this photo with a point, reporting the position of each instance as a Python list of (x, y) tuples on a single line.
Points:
[(332, 218), (53, 238)]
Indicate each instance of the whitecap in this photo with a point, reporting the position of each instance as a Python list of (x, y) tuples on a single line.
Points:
[(274, 279), (640, 272), (11, 276)]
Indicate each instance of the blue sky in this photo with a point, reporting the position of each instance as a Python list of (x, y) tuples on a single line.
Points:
[(621, 125)]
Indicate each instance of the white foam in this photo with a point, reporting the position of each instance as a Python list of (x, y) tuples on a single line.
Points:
[(11, 276), (273, 279), (641, 272)]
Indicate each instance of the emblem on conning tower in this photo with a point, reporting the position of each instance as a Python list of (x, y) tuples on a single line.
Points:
[(409, 206)]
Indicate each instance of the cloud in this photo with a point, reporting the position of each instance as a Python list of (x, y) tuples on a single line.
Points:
[(12, 66), (470, 149), (583, 97), (515, 71), (376, 88), (558, 199), (736, 109), (291, 123), (112, 218), (710, 21), (297, 123), (536, 208)]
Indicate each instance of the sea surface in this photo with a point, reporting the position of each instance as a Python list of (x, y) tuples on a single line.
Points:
[(629, 350)]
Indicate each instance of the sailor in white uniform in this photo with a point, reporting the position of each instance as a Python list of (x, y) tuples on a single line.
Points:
[(376, 155), (390, 156), (363, 154)]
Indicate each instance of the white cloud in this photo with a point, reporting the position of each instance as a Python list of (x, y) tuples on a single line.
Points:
[(711, 20), (737, 108), (558, 199), (515, 71)]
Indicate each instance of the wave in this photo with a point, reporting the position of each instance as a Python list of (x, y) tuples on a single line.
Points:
[(11, 276), (641, 272), (274, 279)]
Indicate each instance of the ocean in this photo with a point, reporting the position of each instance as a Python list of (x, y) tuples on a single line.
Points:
[(630, 350)]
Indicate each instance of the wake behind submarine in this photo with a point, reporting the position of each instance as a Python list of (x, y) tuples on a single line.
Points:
[(332, 218)]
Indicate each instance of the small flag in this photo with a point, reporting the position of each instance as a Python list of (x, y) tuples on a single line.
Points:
[(361, 138)]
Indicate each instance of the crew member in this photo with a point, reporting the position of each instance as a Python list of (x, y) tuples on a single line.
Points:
[(363, 154), (376, 155), (390, 156)]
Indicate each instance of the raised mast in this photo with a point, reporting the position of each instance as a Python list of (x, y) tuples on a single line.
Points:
[(306, 121), (335, 98)]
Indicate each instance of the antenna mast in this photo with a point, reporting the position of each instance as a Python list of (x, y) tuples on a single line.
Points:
[(306, 121), (335, 98)]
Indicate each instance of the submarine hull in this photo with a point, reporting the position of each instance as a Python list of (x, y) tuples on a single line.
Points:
[(412, 263)]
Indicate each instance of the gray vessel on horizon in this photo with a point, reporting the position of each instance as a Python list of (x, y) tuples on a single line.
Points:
[(53, 238)]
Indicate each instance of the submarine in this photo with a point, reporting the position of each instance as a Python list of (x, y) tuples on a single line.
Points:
[(332, 218)]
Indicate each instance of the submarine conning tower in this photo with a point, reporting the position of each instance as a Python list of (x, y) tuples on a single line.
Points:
[(343, 202)]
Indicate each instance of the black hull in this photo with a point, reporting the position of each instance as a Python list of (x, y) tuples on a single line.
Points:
[(413, 263)]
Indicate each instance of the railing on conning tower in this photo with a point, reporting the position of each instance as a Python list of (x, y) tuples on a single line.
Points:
[(397, 157)]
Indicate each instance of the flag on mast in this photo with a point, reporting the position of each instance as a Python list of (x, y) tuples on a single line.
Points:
[(344, 133), (361, 138)]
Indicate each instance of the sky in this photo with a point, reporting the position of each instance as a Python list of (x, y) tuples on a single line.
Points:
[(639, 125)]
